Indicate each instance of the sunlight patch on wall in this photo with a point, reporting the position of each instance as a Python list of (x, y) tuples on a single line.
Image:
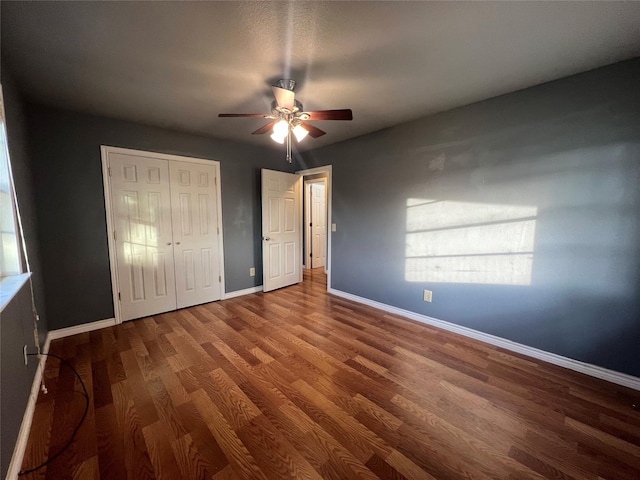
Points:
[(463, 242), (140, 237)]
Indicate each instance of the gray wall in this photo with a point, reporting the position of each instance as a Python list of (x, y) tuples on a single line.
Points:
[(570, 148), (65, 148), (16, 329), (16, 320)]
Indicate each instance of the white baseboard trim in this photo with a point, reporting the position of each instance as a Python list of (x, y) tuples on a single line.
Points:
[(576, 365), (27, 418), (240, 293), (85, 327)]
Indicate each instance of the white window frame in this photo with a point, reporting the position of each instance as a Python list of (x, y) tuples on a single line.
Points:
[(15, 267)]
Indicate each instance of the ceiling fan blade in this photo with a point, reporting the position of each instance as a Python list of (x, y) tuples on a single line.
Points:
[(343, 114), (284, 97), (264, 129), (314, 131), (253, 115)]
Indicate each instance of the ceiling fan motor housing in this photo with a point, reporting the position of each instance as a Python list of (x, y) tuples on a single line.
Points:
[(286, 83), (277, 110)]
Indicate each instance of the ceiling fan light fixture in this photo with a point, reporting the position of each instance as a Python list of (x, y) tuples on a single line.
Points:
[(278, 138), (300, 132), (281, 128), (288, 116)]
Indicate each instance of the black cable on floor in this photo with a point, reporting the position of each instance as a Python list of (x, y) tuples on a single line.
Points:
[(75, 430)]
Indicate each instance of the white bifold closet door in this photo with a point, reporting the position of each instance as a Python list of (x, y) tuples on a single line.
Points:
[(167, 238), (195, 233)]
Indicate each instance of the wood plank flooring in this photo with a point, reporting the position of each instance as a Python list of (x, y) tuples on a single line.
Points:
[(297, 384)]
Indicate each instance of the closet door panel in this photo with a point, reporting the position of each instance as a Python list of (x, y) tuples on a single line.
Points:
[(195, 232), (141, 203)]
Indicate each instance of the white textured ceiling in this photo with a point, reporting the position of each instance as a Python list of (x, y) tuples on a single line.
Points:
[(178, 65)]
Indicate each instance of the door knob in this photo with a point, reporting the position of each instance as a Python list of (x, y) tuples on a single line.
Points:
[(168, 243), (266, 238), (177, 243)]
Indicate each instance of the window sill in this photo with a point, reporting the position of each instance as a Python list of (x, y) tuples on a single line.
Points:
[(10, 286)]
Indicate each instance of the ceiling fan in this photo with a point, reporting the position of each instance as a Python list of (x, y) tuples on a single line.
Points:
[(288, 116)]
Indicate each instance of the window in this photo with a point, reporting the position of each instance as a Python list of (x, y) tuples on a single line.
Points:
[(9, 256)]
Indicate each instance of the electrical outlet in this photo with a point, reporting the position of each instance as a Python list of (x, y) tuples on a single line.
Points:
[(252, 272), (333, 227), (24, 351), (427, 296)]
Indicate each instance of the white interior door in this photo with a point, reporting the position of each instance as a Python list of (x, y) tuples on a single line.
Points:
[(195, 233), (318, 225), (142, 217), (281, 229)]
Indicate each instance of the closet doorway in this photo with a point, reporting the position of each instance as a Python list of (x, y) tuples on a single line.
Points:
[(164, 223)]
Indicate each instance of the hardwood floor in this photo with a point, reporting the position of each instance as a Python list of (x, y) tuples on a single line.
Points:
[(299, 384)]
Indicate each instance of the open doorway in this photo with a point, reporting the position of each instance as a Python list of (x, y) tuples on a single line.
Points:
[(315, 222), (317, 181)]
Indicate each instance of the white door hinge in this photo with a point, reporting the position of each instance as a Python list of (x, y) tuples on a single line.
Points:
[(115, 235), (109, 170)]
